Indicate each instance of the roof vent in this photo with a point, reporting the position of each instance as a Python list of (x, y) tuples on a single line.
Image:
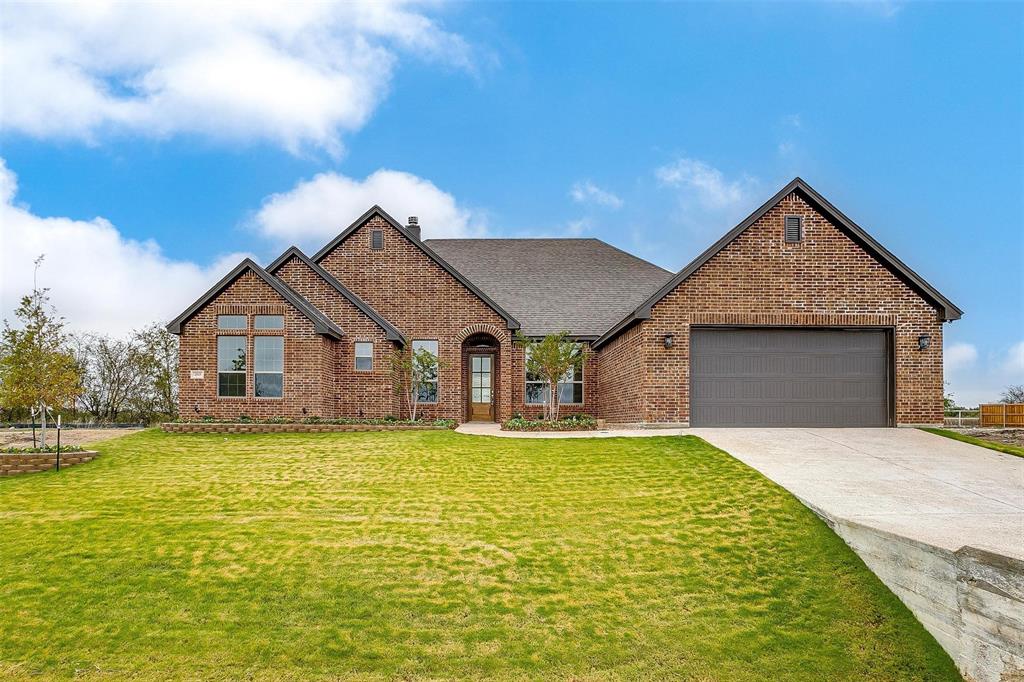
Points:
[(794, 229), (414, 227)]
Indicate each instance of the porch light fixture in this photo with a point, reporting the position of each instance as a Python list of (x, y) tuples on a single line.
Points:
[(923, 342), (196, 408), (668, 341)]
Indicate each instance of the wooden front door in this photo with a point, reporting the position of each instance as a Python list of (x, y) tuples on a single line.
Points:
[(481, 387)]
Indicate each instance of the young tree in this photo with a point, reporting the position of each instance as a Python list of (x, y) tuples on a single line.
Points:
[(37, 369), (551, 358), (412, 373), (1013, 394)]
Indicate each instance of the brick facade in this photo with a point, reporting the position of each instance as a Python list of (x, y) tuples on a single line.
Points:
[(758, 279)]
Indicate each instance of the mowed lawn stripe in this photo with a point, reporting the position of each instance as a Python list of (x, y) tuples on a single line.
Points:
[(434, 555)]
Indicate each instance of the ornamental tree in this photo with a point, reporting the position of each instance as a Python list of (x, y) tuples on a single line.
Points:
[(412, 372), (551, 358)]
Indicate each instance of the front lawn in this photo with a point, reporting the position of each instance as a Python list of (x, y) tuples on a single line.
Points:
[(420, 555)]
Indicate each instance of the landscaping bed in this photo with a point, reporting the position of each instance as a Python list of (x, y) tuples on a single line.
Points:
[(434, 555), (575, 422), (15, 461), (305, 426)]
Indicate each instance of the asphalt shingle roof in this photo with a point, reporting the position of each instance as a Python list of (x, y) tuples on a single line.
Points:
[(582, 286)]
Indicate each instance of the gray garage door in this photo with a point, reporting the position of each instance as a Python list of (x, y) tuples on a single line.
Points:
[(788, 377)]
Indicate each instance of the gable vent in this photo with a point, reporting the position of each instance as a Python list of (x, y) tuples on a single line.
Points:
[(793, 228), (377, 240)]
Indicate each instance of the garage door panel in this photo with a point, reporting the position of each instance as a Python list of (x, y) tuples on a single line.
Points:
[(789, 377)]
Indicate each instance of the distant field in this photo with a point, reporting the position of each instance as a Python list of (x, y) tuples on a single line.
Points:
[(434, 555)]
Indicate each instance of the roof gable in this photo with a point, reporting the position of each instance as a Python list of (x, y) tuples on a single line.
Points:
[(947, 310), (510, 321), (391, 332), (321, 324)]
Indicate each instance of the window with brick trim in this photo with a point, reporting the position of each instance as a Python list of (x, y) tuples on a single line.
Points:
[(570, 388), (364, 356), (231, 366), (231, 322), (429, 388), (377, 240), (268, 322), (268, 366)]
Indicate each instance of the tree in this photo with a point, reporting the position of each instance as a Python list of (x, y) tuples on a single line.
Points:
[(159, 349), (37, 369), (1013, 394), (413, 373), (114, 376), (551, 359)]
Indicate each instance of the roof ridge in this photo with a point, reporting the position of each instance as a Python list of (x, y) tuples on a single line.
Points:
[(392, 332)]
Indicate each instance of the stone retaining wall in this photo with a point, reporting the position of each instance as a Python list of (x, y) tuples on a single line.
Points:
[(213, 427), (31, 462), (970, 600)]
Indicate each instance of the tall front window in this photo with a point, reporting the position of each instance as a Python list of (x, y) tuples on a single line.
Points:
[(231, 366), (364, 356), (429, 385), (269, 366), (570, 386)]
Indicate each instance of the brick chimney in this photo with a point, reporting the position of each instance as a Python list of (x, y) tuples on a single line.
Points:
[(414, 227)]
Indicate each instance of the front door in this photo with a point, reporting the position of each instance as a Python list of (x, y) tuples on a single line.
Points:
[(481, 384)]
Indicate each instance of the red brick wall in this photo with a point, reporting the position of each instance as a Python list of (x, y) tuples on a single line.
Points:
[(304, 353), (825, 280), (350, 393), (425, 302)]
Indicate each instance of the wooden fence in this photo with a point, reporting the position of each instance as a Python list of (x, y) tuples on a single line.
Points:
[(1002, 414)]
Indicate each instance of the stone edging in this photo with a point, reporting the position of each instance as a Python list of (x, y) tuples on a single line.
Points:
[(15, 463), (214, 427)]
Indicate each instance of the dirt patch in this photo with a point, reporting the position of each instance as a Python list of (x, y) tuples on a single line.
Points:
[(22, 438), (996, 435)]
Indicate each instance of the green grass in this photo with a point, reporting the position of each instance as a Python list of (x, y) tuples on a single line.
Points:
[(981, 442), (434, 555)]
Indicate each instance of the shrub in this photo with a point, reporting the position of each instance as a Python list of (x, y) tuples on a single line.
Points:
[(573, 422), (48, 448)]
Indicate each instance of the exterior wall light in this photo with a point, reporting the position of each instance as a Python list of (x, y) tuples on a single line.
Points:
[(668, 341), (923, 342)]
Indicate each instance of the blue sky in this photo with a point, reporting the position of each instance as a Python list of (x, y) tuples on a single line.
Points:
[(179, 141)]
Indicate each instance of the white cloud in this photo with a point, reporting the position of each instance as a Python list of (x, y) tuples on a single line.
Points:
[(1014, 362), (316, 210), (98, 279), (293, 73), (709, 203), (586, 192), (959, 356)]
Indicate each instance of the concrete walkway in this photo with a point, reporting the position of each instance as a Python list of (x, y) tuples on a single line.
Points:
[(909, 482)]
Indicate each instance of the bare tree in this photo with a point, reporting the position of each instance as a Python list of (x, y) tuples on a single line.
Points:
[(1013, 394), (159, 349), (113, 375)]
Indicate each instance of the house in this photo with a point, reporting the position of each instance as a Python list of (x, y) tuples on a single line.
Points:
[(795, 317)]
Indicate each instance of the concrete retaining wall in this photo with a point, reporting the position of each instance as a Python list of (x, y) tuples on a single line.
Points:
[(32, 462), (214, 427), (971, 601)]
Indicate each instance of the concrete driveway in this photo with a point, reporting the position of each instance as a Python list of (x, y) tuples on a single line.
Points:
[(918, 485)]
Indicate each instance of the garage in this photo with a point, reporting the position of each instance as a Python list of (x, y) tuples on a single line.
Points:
[(789, 377)]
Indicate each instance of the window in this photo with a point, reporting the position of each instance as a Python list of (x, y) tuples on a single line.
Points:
[(269, 322), (377, 240), (231, 366), (570, 387), (364, 356), (428, 387), (794, 228), (268, 365), (231, 322)]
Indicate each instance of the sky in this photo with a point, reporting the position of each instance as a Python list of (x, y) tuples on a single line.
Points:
[(146, 148)]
